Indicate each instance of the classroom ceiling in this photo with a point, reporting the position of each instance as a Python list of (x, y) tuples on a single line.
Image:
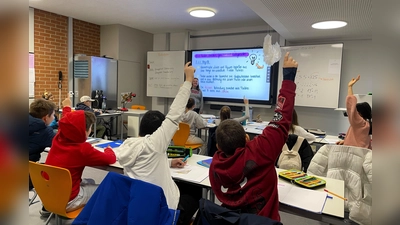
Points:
[(290, 18)]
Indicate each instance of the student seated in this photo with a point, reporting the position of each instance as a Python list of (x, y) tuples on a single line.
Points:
[(225, 113), (300, 154), (86, 104), (71, 151), (195, 122), (145, 157), (242, 173), (41, 114), (360, 118), (296, 129)]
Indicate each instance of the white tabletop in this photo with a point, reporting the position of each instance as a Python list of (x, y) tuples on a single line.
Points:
[(192, 161), (254, 127), (328, 139), (135, 112), (334, 206)]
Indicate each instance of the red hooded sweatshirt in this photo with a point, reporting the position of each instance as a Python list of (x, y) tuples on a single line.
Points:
[(71, 151), (247, 180)]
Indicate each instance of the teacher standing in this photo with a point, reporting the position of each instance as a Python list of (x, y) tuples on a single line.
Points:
[(197, 95)]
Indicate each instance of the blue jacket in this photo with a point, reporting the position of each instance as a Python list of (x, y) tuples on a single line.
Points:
[(122, 200), (82, 106), (40, 137)]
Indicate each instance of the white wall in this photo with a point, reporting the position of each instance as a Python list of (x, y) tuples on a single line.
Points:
[(129, 46)]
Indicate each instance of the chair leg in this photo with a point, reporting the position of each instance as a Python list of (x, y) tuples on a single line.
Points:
[(33, 198), (58, 220), (48, 219)]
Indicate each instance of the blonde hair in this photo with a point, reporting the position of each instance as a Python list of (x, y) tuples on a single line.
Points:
[(224, 113)]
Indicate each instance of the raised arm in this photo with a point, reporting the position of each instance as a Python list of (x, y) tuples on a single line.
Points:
[(166, 131), (350, 85), (269, 144), (246, 111), (351, 101), (66, 106)]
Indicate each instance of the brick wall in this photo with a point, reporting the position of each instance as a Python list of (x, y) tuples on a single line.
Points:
[(51, 49), (86, 38), (51, 53)]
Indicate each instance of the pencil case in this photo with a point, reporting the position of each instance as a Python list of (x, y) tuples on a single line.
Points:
[(290, 175), (178, 152), (310, 182)]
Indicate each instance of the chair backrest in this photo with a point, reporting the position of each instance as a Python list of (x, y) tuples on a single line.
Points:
[(212, 142), (53, 185), (141, 107), (181, 135)]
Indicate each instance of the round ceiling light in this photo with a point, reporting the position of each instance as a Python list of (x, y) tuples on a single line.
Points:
[(329, 25), (202, 13)]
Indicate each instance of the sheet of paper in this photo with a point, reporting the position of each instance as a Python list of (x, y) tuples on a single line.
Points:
[(334, 66), (302, 198), (190, 173)]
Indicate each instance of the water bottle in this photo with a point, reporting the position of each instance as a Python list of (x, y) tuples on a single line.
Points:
[(104, 104), (251, 114), (244, 121)]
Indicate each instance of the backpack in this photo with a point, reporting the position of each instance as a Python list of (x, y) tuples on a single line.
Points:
[(290, 158)]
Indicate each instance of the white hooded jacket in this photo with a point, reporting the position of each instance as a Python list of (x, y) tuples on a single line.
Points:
[(353, 165)]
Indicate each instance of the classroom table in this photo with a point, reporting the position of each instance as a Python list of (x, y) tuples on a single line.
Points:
[(109, 114), (333, 212), (117, 168)]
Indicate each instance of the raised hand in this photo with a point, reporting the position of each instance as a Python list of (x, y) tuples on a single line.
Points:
[(189, 72), (289, 62), (353, 81), (67, 102), (246, 101)]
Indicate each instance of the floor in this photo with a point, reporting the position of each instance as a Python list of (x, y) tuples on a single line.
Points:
[(98, 175)]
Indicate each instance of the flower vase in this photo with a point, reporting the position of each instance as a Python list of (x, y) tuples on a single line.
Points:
[(124, 107)]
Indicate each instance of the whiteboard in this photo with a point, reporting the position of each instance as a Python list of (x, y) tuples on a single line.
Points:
[(318, 74), (165, 73)]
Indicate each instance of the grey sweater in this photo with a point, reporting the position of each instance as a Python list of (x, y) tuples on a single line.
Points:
[(194, 120), (240, 119)]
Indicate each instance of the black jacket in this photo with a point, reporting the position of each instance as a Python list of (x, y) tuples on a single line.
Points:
[(40, 137)]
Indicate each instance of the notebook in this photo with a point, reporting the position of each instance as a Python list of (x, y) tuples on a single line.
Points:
[(206, 162), (114, 144), (310, 200)]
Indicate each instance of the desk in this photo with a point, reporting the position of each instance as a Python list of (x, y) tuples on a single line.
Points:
[(117, 168), (104, 115), (333, 209), (328, 139), (255, 128), (134, 118), (333, 212)]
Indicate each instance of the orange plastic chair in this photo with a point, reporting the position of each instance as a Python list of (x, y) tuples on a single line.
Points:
[(141, 107), (53, 185), (181, 136)]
